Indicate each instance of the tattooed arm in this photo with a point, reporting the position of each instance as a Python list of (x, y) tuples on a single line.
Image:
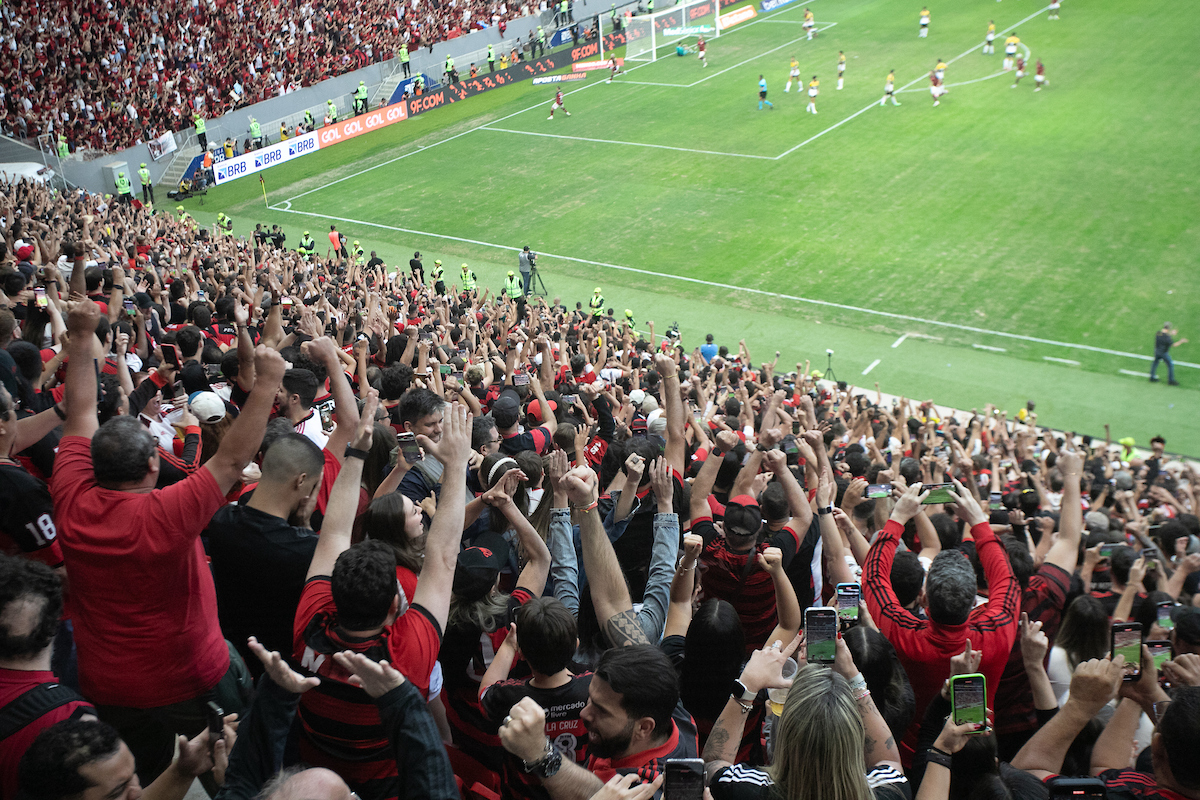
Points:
[(720, 750)]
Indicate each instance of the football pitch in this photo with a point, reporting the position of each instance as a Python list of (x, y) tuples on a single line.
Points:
[(1004, 246)]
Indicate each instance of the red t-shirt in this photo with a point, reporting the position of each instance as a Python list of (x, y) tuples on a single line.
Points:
[(142, 599), (13, 684)]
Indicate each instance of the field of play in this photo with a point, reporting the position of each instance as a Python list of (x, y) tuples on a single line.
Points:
[(1011, 244)]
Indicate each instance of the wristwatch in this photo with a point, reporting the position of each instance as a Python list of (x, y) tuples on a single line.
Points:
[(741, 693), (825, 510), (547, 766)]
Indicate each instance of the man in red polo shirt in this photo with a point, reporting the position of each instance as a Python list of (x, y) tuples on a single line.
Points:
[(149, 645), (925, 646)]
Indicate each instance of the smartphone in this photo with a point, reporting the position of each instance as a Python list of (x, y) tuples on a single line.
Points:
[(39, 297), (326, 418), (995, 501), (968, 699), (796, 427), (941, 452), (1151, 556), (128, 305), (848, 595), (569, 399), (877, 490), (1164, 615), (1160, 651), (445, 369), (521, 379), (938, 493), (684, 779), (820, 625), (216, 722), (409, 448), (172, 355), (464, 354), (1082, 788), (458, 376), (200, 294), (1106, 550), (1127, 641)]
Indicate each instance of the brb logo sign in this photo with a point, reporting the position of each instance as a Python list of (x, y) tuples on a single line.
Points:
[(270, 156)]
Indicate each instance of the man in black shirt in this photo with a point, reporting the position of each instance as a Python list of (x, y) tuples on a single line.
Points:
[(259, 557), (415, 265), (1164, 340)]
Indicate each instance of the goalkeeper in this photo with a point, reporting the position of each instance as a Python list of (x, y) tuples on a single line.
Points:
[(683, 49)]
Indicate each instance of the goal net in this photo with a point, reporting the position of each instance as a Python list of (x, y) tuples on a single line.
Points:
[(652, 36)]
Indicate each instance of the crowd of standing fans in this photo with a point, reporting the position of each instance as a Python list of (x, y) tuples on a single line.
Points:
[(310, 527), (109, 75)]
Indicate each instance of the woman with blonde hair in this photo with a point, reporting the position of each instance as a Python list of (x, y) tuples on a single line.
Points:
[(830, 741)]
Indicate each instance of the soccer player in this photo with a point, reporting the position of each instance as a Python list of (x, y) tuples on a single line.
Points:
[(813, 91), (924, 22), (614, 70), (1020, 71), (810, 24), (1039, 77), (841, 68), (936, 89), (1053, 11), (1010, 50), (762, 93), (793, 75), (940, 70), (701, 50), (889, 89), (558, 103), (989, 47)]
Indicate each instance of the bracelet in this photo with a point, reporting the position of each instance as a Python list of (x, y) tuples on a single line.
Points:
[(61, 414), (826, 510), (588, 508), (939, 757), (858, 684), (745, 707), (678, 567), (863, 695), (354, 452)]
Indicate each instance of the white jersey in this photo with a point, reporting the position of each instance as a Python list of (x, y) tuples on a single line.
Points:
[(310, 427)]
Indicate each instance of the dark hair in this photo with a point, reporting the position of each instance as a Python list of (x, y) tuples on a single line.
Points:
[(950, 588), (547, 634), (1146, 612), (643, 676), (876, 659), (949, 531), (1180, 731), (121, 451), (713, 652), (910, 469), (908, 576), (292, 455), (1019, 558), (384, 521), (276, 429), (481, 430), (418, 403), (395, 381), (301, 382), (383, 442), (774, 502), (49, 770), (1120, 562), (1084, 630), (188, 340), (26, 581), (364, 585)]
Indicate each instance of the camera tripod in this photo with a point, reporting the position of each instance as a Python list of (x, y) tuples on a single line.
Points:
[(535, 280), (829, 376)]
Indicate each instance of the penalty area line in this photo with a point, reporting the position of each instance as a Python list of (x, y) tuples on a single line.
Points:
[(629, 144), (730, 287)]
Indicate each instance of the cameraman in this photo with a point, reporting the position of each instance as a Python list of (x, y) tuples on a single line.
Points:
[(526, 260)]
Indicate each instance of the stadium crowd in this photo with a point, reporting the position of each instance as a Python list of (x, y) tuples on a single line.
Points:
[(107, 76), (301, 526)]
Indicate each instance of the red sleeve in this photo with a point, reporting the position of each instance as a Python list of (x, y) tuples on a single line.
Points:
[(315, 598), (1004, 593), (891, 617), (328, 477)]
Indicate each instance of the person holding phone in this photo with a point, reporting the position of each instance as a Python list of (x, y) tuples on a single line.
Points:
[(925, 646)]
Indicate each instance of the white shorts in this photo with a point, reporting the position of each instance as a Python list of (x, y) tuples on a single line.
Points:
[(1039, 78), (795, 73), (924, 20), (1020, 73), (1011, 50), (841, 68), (555, 106), (808, 23), (701, 54), (991, 37), (888, 88), (939, 74), (813, 92), (1055, 6)]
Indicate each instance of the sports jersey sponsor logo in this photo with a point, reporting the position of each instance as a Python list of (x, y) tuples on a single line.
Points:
[(570, 76), (691, 30), (771, 5), (734, 17), (584, 66)]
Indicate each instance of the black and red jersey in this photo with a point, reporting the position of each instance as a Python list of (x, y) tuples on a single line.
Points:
[(27, 517)]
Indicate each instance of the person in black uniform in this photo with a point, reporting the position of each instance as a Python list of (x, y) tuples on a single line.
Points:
[(418, 271), (1164, 340)]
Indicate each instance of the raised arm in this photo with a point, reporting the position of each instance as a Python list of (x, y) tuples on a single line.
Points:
[(325, 352), (1064, 553), (676, 447), (80, 390), (244, 437)]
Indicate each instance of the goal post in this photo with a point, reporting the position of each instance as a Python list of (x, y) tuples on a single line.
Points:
[(650, 35)]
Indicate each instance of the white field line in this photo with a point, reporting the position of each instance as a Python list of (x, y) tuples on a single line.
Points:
[(963, 54), (630, 144), (871, 366), (1135, 374), (899, 341), (1068, 361), (760, 292), (989, 347), (1028, 58)]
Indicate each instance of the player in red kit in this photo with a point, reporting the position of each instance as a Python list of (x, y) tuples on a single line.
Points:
[(1020, 71), (614, 71), (700, 48), (1039, 76), (936, 88), (558, 103)]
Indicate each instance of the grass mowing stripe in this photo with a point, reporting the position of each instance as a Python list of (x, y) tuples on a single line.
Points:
[(630, 144)]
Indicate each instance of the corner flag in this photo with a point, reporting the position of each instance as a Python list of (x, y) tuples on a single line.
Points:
[(263, 184)]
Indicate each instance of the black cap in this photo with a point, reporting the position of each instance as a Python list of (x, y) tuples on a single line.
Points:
[(479, 566)]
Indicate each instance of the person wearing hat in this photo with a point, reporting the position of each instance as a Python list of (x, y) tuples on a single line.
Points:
[(436, 275), (360, 255), (124, 191), (350, 601), (629, 318), (330, 112), (467, 279), (256, 139), (477, 607), (512, 287), (527, 263), (147, 186), (360, 98), (507, 412), (307, 246), (417, 269), (596, 304)]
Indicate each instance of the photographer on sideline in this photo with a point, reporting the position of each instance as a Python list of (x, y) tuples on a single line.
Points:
[(526, 260)]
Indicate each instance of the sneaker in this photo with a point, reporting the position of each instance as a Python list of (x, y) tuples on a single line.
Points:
[(550, 117), (1154, 380), (1172, 383), (568, 113)]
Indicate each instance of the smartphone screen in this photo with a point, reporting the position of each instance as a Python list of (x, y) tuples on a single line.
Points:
[(796, 427), (445, 369), (995, 501), (1127, 641), (821, 627), (521, 379), (847, 602), (464, 353), (409, 448), (684, 779), (39, 295), (128, 304), (569, 399), (458, 376), (877, 490), (1160, 651), (1106, 550), (938, 493), (327, 424), (968, 699), (1164, 616)]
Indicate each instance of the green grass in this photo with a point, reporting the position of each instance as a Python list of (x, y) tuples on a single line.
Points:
[(1065, 215)]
